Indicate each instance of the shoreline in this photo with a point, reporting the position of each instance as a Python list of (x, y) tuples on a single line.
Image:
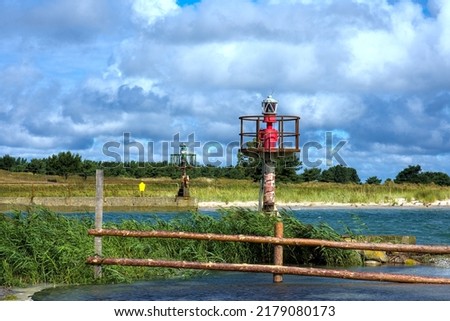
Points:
[(399, 203), (26, 293), (22, 293), (180, 203)]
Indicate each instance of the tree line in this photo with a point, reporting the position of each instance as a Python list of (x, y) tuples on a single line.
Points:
[(287, 169)]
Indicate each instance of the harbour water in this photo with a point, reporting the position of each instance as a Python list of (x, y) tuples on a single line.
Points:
[(429, 225)]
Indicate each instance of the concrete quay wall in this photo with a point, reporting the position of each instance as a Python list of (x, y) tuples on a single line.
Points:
[(109, 203)]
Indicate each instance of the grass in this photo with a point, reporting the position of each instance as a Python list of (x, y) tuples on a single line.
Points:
[(222, 190), (361, 193), (40, 246)]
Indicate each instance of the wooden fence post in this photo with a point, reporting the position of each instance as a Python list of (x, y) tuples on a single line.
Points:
[(278, 252), (98, 218)]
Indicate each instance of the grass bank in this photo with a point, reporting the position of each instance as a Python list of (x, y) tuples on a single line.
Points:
[(220, 190), (40, 246)]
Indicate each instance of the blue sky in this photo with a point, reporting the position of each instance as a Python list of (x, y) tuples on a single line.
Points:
[(76, 75)]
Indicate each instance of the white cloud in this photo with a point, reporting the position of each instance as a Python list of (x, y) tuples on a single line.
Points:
[(444, 28), (150, 11), (374, 71), (325, 110)]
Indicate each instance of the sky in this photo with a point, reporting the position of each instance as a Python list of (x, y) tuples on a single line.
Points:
[(370, 79)]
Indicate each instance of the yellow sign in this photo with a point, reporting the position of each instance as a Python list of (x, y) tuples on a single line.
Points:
[(141, 187)]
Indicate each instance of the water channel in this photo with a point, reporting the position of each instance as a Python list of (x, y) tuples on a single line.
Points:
[(429, 225)]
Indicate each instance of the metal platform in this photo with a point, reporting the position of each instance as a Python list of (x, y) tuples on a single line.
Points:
[(288, 135)]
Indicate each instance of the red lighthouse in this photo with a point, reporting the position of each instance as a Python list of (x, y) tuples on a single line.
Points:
[(279, 138)]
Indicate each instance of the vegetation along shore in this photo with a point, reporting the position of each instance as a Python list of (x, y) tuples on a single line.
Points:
[(213, 192), (39, 246)]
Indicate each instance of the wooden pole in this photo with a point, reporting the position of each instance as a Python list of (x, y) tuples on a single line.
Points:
[(278, 252), (432, 249), (261, 193), (274, 269), (98, 218)]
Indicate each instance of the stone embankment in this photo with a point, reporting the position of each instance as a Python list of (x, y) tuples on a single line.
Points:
[(5, 293), (378, 257), (109, 203)]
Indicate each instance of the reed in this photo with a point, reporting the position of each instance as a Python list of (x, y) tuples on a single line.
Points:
[(41, 246)]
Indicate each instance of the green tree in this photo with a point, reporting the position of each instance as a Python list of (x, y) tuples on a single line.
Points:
[(88, 168), (235, 172), (414, 174), (36, 166), (340, 174), (409, 175), (310, 174), (373, 180), (64, 164), (20, 165), (251, 166), (437, 178), (287, 167), (7, 162)]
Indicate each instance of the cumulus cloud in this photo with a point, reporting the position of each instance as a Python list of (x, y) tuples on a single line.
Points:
[(147, 12), (372, 72), (58, 21)]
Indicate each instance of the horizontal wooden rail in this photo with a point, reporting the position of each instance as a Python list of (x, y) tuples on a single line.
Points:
[(274, 269), (431, 249)]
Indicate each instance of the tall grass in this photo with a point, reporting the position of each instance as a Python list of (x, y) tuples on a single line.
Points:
[(41, 246), (361, 193), (229, 190)]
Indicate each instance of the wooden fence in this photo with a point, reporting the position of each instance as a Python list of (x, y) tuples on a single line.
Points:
[(277, 269), (278, 241)]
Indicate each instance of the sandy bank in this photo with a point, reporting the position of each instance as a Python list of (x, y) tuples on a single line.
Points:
[(22, 294), (294, 205)]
